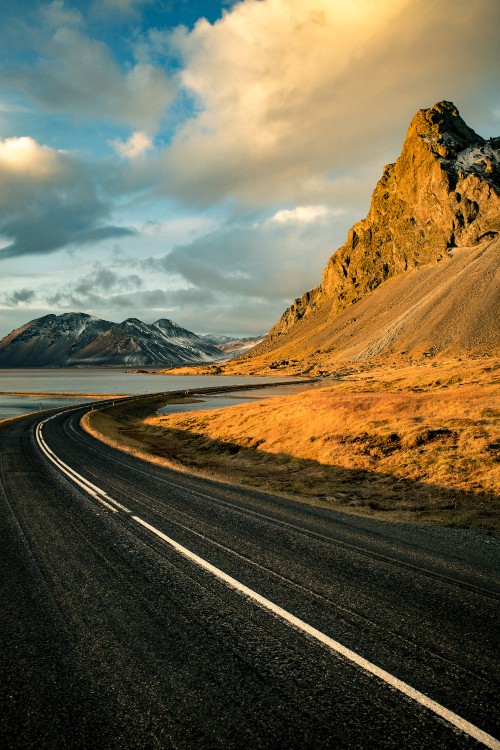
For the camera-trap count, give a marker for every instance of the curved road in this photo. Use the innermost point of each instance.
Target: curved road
(146, 608)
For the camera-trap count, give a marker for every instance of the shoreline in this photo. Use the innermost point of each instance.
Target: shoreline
(62, 394)
(378, 464)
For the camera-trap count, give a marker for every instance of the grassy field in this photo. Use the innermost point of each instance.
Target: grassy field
(417, 442)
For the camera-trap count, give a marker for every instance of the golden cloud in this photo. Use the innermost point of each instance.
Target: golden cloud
(289, 90)
(137, 145)
(25, 157)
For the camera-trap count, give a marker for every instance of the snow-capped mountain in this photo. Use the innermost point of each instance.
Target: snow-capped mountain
(216, 338)
(80, 339)
(136, 343)
(230, 346)
(50, 341)
(235, 347)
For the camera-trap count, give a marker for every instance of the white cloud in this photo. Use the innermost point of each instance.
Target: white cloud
(76, 74)
(23, 157)
(137, 145)
(304, 214)
(289, 90)
(49, 199)
(272, 261)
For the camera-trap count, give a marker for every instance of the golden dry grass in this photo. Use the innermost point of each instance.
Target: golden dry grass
(418, 443)
(426, 427)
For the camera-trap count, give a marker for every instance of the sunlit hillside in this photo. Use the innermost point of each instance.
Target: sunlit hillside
(414, 442)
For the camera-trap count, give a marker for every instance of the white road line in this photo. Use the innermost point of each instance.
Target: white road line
(452, 718)
(85, 484)
(118, 505)
(449, 716)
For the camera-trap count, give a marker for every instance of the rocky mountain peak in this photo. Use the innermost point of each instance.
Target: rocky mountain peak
(443, 130)
(443, 192)
(132, 322)
(170, 330)
(168, 325)
(165, 323)
(442, 135)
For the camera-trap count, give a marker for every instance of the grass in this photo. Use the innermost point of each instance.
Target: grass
(416, 443)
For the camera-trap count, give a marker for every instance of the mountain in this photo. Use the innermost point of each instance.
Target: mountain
(230, 346)
(235, 347)
(216, 338)
(80, 339)
(420, 272)
(136, 343)
(50, 341)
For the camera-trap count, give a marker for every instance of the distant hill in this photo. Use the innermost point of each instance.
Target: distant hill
(420, 274)
(235, 347)
(79, 339)
(216, 338)
(232, 347)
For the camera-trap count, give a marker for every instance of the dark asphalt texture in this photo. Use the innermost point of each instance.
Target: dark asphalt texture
(112, 639)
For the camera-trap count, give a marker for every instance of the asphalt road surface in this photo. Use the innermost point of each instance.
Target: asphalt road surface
(145, 608)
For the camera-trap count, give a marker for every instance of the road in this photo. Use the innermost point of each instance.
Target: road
(146, 608)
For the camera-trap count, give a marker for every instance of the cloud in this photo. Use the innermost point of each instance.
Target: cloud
(138, 143)
(103, 279)
(94, 289)
(19, 297)
(49, 200)
(99, 290)
(76, 74)
(303, 214)
(125, 7)
(142, 302)
(268, 260)
(239, 278)
(286, 90)
(57, 14)
(221, 313)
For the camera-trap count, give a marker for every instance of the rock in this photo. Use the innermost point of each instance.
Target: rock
(441, 193)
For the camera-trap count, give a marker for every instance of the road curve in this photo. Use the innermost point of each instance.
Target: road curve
(146, 608)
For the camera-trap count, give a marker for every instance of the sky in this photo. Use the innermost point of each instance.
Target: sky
(201, 161)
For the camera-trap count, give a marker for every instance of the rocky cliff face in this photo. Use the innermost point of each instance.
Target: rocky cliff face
(443, 192)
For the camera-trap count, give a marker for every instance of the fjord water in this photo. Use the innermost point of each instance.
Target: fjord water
(84, 384)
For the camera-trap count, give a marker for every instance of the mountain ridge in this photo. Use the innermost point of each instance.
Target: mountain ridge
(78, 339)
(442, 194)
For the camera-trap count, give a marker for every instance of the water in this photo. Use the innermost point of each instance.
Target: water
(225, 399)
(13, 406)
(70, 386)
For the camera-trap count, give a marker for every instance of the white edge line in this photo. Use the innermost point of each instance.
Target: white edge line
(452, 718)
(41, 440)
(90, 488)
